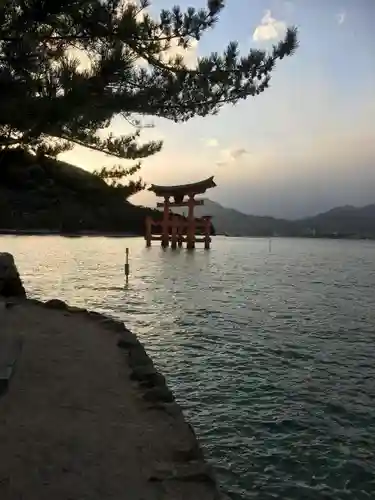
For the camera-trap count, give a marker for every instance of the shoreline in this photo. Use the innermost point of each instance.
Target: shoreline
(113, 234)
(66, 234)
(81, 375)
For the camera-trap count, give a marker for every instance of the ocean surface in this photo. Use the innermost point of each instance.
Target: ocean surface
(270, 349)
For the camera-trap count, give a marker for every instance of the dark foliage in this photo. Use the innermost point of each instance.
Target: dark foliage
(115, 176)
(52, 195)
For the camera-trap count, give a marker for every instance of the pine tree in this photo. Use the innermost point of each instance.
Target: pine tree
(49, 102)
(115, 175)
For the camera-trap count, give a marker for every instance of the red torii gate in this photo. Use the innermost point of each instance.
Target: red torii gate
(176, 228)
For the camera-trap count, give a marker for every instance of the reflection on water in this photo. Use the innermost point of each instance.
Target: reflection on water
(270, 353)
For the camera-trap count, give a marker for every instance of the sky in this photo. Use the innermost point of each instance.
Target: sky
(307, 143)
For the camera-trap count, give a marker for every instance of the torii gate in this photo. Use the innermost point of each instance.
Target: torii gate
(176, 228)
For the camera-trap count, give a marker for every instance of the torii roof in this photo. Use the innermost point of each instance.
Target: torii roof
(183, 189)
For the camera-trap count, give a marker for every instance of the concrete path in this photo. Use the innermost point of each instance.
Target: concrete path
(74, 426)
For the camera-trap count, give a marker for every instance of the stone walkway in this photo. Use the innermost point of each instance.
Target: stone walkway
(75, 426)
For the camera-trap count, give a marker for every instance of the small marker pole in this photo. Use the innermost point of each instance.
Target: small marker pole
(127, 267)
(269, 245)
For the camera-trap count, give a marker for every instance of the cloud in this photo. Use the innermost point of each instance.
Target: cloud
(238, 153)
(189, 55)
(212, 143)
(231, 155)
(341, 17)
(269, 28)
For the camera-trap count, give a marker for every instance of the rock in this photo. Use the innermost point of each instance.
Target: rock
(197, 472)
(74, 309)
(141, 372)
(10, 281)
(10, 351)
(189, 454)
(172, 409)
(113, 324)
(95, 315)
(138, 356)
(127, 341)
(10, 305)
(56, 304)
(36, 302)
(159, 394)
(192, 431)
(203, 476)
(147, 376)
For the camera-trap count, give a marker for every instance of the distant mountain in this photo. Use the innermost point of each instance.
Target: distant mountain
(345, 221)
(234, 223)
(349, 210)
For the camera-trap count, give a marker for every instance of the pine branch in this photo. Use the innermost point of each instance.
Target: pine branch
(124, 147)
(59, 99)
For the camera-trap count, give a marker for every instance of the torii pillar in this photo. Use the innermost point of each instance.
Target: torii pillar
(165, 223)
(190, 237)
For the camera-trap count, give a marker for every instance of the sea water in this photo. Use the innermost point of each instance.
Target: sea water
(270, 349)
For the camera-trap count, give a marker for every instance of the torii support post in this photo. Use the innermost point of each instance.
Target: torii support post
(190, 239)
(174, 237)
(207, 232)
(165, 233)
(180, 235)
(148, 231)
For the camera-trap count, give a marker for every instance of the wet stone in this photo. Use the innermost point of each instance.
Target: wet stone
(172, 409)
(113, 324)
(189, 454)
(10, 305)
(138, 356)
(147, 376)
(10, 281)
(157, 394)
(36, 302)
(127, 341)
(56, 304)
(199, 472)
(74, 309)
(95, 315)
(150, 381)
(10, 351)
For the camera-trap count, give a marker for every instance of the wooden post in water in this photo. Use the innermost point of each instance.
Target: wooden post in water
(127, 267)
